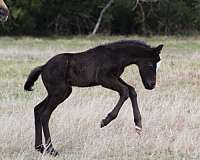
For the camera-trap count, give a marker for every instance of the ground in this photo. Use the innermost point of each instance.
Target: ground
(170, 113)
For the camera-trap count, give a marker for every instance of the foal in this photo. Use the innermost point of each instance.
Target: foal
(102, 65)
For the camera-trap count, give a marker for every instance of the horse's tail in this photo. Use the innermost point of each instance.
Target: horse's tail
(33, 76)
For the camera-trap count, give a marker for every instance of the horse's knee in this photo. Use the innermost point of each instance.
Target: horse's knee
(124, 93)
(132, 92)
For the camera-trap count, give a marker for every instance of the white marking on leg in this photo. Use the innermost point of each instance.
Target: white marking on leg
(138, 128)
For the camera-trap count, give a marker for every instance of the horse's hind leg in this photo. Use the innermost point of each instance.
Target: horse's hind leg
(59, 94)
(38, 127)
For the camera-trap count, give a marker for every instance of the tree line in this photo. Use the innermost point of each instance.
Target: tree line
(79, 17)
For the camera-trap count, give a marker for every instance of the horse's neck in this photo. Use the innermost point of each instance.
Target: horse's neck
(134, 55)
(128, 58)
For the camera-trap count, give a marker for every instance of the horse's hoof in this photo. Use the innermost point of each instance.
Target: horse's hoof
(52, 152)
(40, 148)
(102, 124)
(138, 130)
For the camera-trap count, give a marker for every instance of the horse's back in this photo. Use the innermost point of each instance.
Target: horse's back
(79, 69)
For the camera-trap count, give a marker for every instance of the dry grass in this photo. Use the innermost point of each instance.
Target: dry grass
(171, 112)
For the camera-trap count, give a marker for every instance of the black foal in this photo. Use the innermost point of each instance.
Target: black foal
(102, 65)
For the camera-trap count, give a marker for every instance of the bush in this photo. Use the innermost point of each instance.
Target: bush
(61, 17)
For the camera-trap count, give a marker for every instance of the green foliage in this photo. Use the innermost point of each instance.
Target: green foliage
(175, 16)
(196, 15)
(122, 17)
(69, 17)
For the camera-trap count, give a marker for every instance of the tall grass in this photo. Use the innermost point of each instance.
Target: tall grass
(171, 112)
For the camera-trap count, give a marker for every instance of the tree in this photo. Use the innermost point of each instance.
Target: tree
(101, 16)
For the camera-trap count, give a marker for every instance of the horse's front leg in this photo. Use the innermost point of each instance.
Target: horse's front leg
(114, 84)
(136, 111)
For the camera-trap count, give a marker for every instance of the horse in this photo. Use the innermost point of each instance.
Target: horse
(4, 12)
(102, 65)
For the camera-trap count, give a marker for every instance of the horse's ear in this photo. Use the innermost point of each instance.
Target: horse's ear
(158, 49)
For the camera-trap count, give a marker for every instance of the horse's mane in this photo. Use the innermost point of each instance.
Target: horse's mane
(127, 43)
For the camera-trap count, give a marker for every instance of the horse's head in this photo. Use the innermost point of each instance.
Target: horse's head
(148, 67)
(3, 11)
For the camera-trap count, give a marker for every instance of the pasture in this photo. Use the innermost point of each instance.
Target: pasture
(170, 113)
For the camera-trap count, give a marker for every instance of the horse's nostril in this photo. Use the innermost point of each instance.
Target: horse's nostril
(152, 83)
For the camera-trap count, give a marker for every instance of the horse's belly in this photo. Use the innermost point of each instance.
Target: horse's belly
(84, 84)
(82, 78)
(77, 81)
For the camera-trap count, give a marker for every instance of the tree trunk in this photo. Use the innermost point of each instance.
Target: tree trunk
(135, 6)
(143, 19)
(101, 16)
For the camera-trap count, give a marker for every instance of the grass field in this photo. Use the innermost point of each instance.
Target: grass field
(171, 112)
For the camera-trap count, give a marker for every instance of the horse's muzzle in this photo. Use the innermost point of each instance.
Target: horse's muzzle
(150, 85)
(3, 14)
